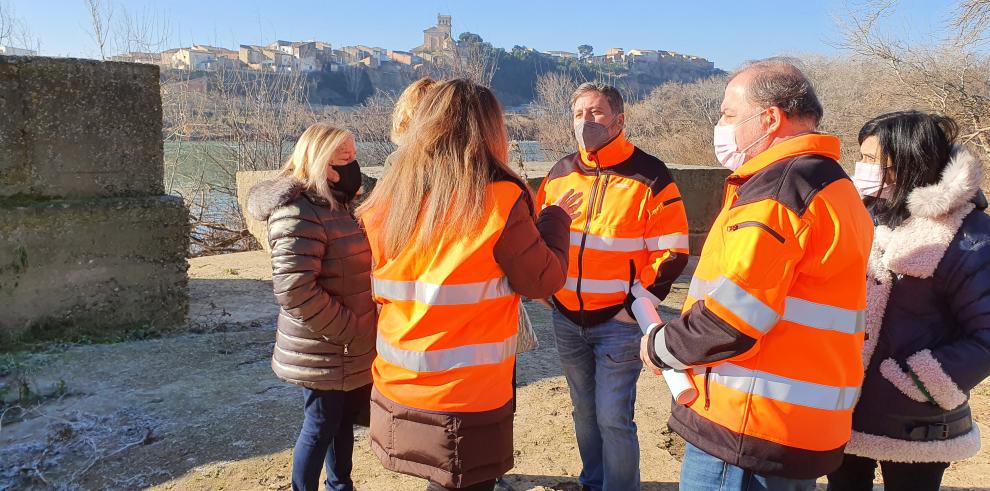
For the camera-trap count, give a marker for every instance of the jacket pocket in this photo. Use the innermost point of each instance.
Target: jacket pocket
(623, 357)
(940, 386)
(762, 226)
(892, 372)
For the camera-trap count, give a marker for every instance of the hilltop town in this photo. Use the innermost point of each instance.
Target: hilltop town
(348, 74)
(313, 56)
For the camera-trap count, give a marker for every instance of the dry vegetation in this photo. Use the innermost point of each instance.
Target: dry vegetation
(255, 118)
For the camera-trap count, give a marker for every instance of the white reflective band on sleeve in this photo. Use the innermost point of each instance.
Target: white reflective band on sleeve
(431, 294)
(597, 286)
(791, 391)
(638, 291)
(825, 317)
(663, 242)
(660, 347)
(447, 359)
(745, 306)
(699, 288)
(608, 244)
(796, 310)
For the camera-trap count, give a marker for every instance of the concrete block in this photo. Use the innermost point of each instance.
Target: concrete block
(79, 128)
(245, 181)
(110, 262)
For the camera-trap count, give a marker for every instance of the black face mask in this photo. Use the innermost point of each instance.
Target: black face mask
(350, 181)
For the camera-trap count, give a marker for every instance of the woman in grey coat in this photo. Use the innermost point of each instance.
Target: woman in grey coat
(321, 265)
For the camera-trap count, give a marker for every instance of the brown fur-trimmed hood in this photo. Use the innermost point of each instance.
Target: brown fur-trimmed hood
(267, 196)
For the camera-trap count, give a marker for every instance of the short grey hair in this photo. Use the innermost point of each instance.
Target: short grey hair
(779, 83)
(611, 94)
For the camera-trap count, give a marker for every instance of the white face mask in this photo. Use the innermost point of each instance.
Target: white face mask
(868, 179)
(726, 149)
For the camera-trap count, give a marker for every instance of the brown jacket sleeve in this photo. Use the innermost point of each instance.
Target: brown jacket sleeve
(534, 254)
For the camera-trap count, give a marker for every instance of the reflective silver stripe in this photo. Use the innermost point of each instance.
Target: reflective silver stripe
(699, 288)
(638, 291)
(672, 241)
(608, 244)
(431, 294)
(660, 347)
(447, 359)
(747, 307)
(597, 286)
(796, 310)
(798, 392)
(825, 317)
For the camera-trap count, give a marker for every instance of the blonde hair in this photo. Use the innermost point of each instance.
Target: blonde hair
(406, 105)
(310, 159)
(438, 185)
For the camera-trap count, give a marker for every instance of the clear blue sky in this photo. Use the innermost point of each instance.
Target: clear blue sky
(726, 32)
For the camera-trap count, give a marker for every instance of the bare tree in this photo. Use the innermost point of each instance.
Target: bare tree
(13, 32)
(972, 19)
(215, 126)
(7, 22)
(675, 121)
(143, 31)
(371, 123)
(951, 77)
(100, 19)
(551, 111)
(474, 60)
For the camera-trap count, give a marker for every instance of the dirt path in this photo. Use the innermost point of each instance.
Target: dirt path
(204, 412)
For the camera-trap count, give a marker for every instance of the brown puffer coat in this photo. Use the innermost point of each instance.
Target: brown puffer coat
(321, 273)
(459, 449)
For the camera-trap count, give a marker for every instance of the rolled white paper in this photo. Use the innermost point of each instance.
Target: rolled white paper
(678, 381)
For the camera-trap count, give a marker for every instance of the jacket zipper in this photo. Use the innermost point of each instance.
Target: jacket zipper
(584, 239)
(601, 201)
(708, 398)
(346, 351)
(762, 226)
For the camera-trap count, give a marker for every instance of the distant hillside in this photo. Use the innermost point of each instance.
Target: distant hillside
(514, 78)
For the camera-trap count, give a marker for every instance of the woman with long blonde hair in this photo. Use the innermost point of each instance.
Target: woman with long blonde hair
(406, 105)
(455, 244)
(321, 265)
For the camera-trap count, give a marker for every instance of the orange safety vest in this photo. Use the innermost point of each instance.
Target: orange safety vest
(448, 320)
(630, 241)
(784, 270)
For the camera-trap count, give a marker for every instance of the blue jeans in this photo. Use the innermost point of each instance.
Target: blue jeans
(601, 364)
(327, 438)
(703, 472)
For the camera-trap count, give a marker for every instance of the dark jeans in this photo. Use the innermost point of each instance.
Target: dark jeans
(601, 365)
(481, 486)
(857, 473)
(327, 437)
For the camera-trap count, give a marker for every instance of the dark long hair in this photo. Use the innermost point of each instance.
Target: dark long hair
(913, 146)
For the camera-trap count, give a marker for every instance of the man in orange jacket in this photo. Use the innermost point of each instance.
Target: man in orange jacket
(772, 329)
(630, 242)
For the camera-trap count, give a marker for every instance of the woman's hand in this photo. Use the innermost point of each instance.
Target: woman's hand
(571, 201)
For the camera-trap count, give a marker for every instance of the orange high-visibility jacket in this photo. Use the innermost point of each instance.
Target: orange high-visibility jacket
(449, 315)
(773, 326)
(630, 241)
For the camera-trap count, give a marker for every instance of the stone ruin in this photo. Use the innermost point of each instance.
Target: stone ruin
(88, 238)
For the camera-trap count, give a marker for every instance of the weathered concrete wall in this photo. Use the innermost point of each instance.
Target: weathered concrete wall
(87, 237)
(79, 129)
(245, 181)
(701, 187)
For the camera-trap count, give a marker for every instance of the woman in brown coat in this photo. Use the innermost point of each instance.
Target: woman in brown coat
(456, 242)
(321, 267)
